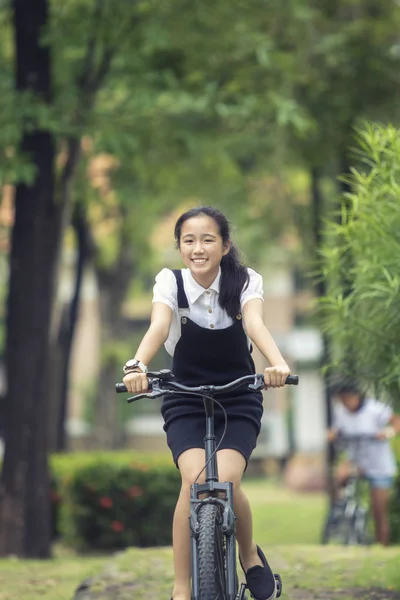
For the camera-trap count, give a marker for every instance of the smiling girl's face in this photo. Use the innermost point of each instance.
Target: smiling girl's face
(202, 248)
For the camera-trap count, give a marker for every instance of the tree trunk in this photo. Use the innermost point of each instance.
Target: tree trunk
(69, 322)
(318, 214)
(59, 321)
(109, 434)
(25, 497)
(113, 285)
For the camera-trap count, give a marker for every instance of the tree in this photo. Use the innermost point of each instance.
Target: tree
(25, 488)
(363, 324)
(41, 206)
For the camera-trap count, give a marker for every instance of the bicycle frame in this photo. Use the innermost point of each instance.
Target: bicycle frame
(349, 507)
(214, 489)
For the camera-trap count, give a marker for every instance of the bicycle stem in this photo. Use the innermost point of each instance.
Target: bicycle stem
(210, 443)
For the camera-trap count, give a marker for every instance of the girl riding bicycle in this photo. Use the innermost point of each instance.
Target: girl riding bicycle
(357, 415)
(207, 315)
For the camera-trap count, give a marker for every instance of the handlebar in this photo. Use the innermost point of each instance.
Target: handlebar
(161, 383)
(345, 439)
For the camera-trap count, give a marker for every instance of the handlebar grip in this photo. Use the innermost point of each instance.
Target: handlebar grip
(292, 380)
(120, 388)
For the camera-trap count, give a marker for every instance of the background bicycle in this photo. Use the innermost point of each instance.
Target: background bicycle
(349, 519)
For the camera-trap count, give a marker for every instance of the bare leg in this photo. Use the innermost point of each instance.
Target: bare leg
(342, 473)
(231, 465)
(380, 508)
(190, 464)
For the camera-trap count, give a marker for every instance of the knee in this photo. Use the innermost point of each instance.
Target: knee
(234, 477)
(189, 477)
(342, 474)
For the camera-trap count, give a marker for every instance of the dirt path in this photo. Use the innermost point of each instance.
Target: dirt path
(356, 593)
(308, 573)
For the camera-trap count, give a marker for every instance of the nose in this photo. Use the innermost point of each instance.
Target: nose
(198, 248)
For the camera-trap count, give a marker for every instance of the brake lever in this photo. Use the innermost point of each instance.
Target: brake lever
(156, 392)
(258, 383)
(153, 394)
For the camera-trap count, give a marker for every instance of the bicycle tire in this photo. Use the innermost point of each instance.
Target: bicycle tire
(362, 527)
(332, 529)
(211, 554)
(327, 530)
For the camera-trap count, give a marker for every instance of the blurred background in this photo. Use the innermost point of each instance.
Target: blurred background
(115, 117)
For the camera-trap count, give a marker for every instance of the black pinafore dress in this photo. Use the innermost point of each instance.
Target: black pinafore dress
(211, 356)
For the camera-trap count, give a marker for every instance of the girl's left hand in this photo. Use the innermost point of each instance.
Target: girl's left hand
(276, 376)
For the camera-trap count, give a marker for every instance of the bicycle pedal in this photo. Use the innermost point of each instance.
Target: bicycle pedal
(241, 594)
(279, 586)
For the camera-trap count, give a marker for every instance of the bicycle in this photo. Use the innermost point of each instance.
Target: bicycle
(348, 520)
(212, 519)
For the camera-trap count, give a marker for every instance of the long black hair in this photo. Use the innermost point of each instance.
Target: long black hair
(234, 275)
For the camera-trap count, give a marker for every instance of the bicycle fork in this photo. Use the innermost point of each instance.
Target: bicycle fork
(224, 490)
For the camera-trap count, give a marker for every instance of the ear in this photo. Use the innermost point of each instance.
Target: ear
(226, 249)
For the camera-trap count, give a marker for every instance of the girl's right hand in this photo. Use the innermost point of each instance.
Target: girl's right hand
(136, 382)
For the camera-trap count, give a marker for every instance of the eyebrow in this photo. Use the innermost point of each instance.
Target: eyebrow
(203, 235)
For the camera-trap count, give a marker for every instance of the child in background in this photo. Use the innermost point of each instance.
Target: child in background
(358, 415)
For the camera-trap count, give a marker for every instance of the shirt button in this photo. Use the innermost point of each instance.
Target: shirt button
(210, 310)
(208, 292)
(212, 326)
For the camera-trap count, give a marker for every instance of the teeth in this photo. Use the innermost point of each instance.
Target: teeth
(199, 260)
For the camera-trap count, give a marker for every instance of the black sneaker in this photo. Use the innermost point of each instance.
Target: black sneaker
(261, 581)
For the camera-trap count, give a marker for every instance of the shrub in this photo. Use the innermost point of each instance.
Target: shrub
(116, 500)
(394, 506)
(360, 263)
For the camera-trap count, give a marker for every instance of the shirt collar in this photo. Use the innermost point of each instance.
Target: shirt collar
(194, 290)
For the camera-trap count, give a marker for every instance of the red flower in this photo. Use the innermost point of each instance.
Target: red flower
(117, 526)
(106, 502)
(140, 466)
(135, 491)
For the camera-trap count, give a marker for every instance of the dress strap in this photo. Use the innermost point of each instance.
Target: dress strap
(182, 298)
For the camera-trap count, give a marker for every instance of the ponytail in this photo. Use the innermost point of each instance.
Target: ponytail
(234, 279)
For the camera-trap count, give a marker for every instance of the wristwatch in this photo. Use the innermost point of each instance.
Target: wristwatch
(133, 364)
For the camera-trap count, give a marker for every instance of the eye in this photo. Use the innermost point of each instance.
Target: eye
(208, 241)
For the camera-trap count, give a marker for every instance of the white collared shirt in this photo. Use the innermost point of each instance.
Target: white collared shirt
(204, 309)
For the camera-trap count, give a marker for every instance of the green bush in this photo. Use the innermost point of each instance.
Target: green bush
(115, 500)
(394, 512)
(394, 507)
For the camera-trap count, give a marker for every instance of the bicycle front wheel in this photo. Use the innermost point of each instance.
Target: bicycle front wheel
(211, 554)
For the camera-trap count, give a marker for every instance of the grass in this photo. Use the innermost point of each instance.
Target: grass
(287, 526)
(55, 579)
(281, 516)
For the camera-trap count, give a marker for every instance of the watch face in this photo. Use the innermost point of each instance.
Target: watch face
(132, 363)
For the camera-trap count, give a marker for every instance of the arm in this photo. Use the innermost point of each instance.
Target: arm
(152, 341)
(395, 422)
(276, 374)
(392, 428)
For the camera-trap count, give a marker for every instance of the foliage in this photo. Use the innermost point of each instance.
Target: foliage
(190, 108)
(114, 500)
(361, 313)
(394, 511)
